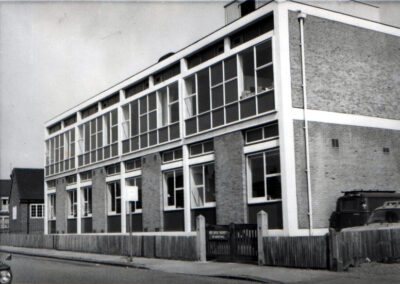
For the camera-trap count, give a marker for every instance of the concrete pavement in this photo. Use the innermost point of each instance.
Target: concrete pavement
(266, 274)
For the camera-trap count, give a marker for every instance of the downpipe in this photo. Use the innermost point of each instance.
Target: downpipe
(301, 17)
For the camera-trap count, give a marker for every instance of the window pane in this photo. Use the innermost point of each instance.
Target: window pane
(164, 106)
(179, 199)
(134, 118)
(196, 149)
(197, 175)
(210, 182)
(163, 134)
(173, 92)
(174, 112)
(264, 53)
(231, 113)
(216, 74)
(254, 135)
(168, 156)
(265, 79)
(273, 162)
(204, 122)
(153, 138)
(112, 197)
(208, 146)
(190, 85)
(217, 96)
(134, 143)
(143, 141)
(174, 131)
(114, 132)
(230, 68)
(93, 126)
(143, 123)
(231, 92)
(248, 71)
(153, 120)
(257, 175)
(218, 117)
(191, 105)
(271, 130)
(99, 139)
(114, 117)
(204, 91)
(274, 188)
(179, 179)
(152, 101)
(118, 201)
(143, 105)
(170, 188)
(266, 102)
(178, 154)
(198, 196)
(191, 126)
(125, 146)
(248, 107)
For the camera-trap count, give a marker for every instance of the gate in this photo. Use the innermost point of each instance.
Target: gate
(234, 242)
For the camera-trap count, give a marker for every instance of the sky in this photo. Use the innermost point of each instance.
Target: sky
(55, 55)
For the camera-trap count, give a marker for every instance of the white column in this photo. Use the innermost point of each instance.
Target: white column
(186, 184)
(79, 204)
(123, 199)
(284, 104)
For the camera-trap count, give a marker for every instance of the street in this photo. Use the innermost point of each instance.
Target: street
(27, 269)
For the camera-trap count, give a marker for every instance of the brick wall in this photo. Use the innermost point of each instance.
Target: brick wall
(358, 163)
(36, 226)
(348, 69)
(230, 178)
(99, 200)
(152, 193)
(61, 206)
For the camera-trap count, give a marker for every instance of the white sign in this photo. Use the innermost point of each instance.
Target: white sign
(14, 213)
(131, 193)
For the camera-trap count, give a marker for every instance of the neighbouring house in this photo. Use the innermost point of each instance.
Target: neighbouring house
(280, 110)
(5, 187)
(26, 201)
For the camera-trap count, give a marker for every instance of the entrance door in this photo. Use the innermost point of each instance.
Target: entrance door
(234, 242)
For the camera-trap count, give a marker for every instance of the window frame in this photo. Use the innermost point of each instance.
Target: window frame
(165, 190)
(34, 207)
(72, 203)
(112, 186)
(262, 199)
(192, 186)
(52, 206)
(87, 203)
(6, 206)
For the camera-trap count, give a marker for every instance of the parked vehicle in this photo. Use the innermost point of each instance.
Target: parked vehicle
(355, 207)
(5, 273)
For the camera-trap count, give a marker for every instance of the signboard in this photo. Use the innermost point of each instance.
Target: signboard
(131, 193)
(218, 235)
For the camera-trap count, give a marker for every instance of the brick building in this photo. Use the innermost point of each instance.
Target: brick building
(26, 201)
(5, 188)
(221, 128)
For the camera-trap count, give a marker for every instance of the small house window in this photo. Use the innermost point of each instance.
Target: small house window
(335, 143)
(37, 211)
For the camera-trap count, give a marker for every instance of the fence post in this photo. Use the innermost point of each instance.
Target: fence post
(262, 230)
(201, 237)
(335, 257)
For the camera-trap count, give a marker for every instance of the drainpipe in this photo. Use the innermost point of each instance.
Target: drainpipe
(301, 17)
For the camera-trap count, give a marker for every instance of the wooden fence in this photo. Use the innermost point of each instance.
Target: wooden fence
(158, 246)
(302, 252)
(355, 247)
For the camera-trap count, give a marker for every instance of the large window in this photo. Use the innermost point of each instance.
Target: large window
(99, 138)
(60, 153)
(4, 222)
(114, 198)
(173, 189)
(136, 206)
(87, 201)
(236, 88)
(36, 211)
(52, 206)
(4, 204)
(152, 119)
(202, 185)
(264, 176)
(73, 204)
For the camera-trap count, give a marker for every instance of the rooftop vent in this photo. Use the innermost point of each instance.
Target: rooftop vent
(165, 56)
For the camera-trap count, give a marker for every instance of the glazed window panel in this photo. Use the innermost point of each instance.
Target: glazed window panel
(173, 189)
(153, 119)
(202, 185)
(264, 176)
(87, 201)
(114, 197)
(73, 204)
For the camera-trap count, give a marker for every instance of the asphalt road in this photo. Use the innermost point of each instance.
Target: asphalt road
(27, 269)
